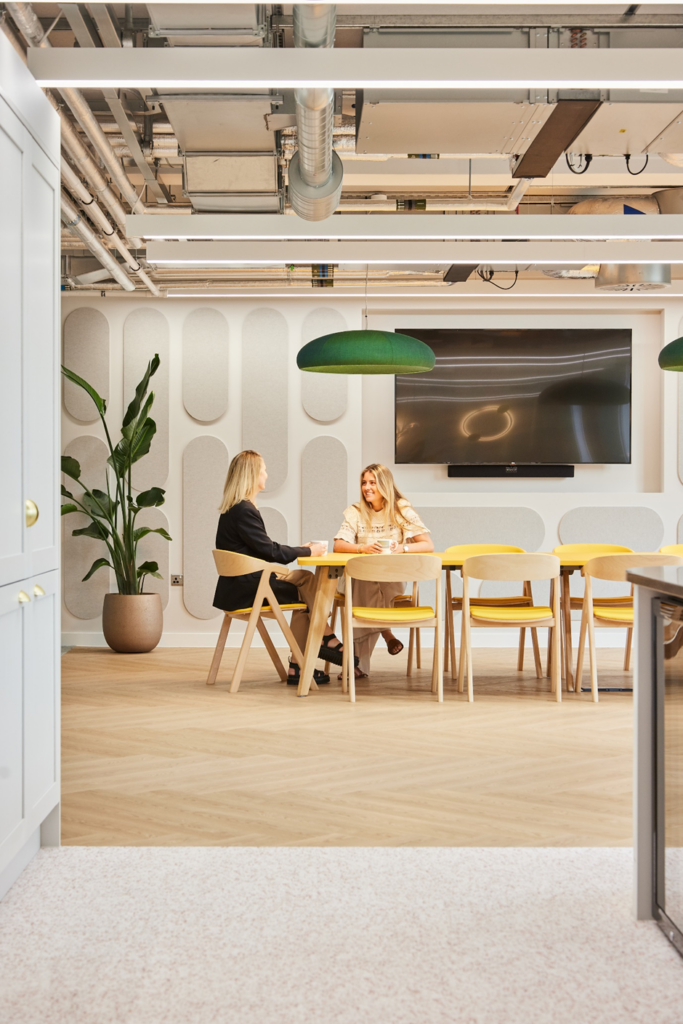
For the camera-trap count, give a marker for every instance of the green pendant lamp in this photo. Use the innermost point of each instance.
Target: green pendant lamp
(366, 352)
(671, 356)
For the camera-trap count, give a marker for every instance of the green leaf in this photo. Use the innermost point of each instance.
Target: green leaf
(100, 403)
(151, 498)
(65, 493)
(148, 568)
(95, 529)
(70, 467)
(141, 391)
(97, 564)
(99, 504)
(144, 530)
(69, 508)
(142, 441)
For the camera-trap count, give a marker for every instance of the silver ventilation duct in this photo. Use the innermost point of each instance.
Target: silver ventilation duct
(633, 277)
(315, 170)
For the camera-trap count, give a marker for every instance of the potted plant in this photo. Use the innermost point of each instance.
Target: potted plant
(132, 620)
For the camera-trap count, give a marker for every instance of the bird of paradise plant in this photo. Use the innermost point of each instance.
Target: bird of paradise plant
(113, 512)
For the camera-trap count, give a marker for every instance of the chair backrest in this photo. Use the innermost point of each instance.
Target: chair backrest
(468, 550)
(590, 550)
(394, 568)
(229, 563)
(614, 567)
(671, 549)
(512, 567)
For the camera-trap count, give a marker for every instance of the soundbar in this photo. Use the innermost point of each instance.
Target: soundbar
(512, 470)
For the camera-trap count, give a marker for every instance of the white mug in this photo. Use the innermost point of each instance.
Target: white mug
(387, 545)
(325, 545)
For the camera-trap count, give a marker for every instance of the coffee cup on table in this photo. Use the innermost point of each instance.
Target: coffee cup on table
(325, 545)
(387, 545)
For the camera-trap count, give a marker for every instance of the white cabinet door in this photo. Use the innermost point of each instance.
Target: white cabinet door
(11, 711)
(41, 350)
(41, 695)
(14, 140)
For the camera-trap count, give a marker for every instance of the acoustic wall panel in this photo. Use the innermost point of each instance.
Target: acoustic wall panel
(205, 467)
(489, 525)
(324, 396)
(324, 493)
(205, 364)
(265, 390)
(679, 531)
(86, 352)
(154, 548)
(84, 600)
(276, 525)
(680, 427)
(639, 528)
(145, 332)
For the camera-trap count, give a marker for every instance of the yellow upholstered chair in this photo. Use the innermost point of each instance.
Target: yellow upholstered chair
(672, 549)
(586, 551)
(392, 569)
(509, 566)
(454, 604)
(402, 601)
(230, 564)
(610, 567)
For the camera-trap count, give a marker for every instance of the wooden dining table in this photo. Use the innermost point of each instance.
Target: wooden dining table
(330, 568)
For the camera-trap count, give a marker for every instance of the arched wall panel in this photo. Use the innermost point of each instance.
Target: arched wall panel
(265, 391)
(205, 466)
(84, 600)
(635, 527)
(205, 364)
(324, 396)
(324, 492)
(146, 332)
(154, 548)
(86, 352)
(276, 525)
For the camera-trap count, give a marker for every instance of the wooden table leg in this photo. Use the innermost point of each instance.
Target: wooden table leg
(567, 624)
(322, 605)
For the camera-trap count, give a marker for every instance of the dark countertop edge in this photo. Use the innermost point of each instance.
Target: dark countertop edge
(664, 579)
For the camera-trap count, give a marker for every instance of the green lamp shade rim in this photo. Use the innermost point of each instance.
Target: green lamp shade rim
(671, 356)
(366, 352)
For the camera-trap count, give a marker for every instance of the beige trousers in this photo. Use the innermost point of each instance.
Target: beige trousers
(304, 581)
(367, 594)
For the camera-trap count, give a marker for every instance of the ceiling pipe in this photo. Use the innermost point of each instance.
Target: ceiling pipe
(503, 205)
(315, 170)
(76, 224)
(84, 198)
(25, 18)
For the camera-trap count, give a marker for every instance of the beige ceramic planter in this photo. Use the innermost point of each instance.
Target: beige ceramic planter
(132, 623)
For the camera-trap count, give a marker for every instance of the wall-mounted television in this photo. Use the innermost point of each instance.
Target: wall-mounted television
(497, 397)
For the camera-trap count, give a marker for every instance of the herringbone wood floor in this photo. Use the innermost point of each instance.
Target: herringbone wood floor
(151, 756)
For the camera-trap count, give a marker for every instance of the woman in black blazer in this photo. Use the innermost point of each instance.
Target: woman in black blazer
(241, 529)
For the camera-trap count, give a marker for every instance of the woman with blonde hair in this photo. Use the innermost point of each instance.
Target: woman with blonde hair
(241, 529)
(382, 514)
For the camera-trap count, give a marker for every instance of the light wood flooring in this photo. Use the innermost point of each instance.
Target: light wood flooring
(153, 757)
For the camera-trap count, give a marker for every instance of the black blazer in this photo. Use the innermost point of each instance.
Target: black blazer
(241, 529)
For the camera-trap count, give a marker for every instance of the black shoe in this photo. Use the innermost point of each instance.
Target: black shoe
(293, 677)
(334, 655)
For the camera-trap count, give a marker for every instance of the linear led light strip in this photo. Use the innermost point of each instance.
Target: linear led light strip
(395, 262)
(64, 81)
(624, 236)
(333, 294)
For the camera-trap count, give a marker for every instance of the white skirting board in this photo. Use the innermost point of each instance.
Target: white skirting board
(480, 638)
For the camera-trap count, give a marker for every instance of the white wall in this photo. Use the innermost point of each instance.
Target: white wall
(366, 429)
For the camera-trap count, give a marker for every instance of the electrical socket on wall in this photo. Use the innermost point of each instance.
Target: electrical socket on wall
(176, 580)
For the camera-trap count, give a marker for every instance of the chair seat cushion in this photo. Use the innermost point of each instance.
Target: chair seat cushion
(510, 614)
(624, 615)
(267, 608)
(397, 615)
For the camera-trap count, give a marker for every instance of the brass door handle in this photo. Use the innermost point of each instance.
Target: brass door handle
(38, 591)
(31, 512)
(23, 597)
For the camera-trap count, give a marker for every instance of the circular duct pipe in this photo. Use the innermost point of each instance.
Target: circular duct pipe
(633, 277)
(670, 200)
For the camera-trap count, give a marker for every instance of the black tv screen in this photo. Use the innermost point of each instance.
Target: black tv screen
(517, 396)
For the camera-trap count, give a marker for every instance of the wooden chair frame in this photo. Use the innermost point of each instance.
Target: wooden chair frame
(392, 569)
(608, 567)
(414, 644)
(508, 567)
(454, 604)
(228, 563)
